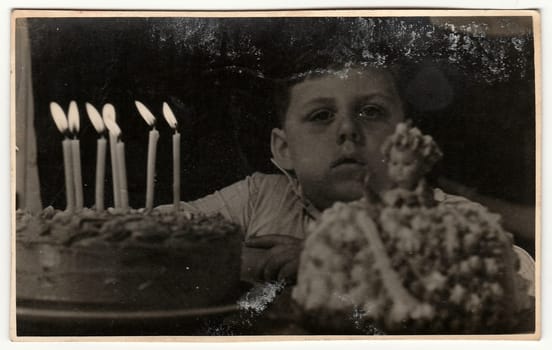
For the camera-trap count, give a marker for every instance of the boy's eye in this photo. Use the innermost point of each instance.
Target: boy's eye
(321, 115)
(371, 112)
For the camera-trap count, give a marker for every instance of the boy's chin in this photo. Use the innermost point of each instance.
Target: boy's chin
(347, 192)
(341, 191)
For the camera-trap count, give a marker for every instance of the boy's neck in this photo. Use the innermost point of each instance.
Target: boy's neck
(309, 207)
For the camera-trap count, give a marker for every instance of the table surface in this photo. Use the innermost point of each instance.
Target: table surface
(264, 309)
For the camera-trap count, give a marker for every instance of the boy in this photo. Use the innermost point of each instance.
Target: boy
(332, 126)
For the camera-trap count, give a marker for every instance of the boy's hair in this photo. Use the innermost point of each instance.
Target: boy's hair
(282, 87)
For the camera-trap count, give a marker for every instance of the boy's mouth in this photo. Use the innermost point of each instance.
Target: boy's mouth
(346, 161)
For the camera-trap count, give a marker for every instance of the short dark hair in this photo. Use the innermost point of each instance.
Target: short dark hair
(282, 87)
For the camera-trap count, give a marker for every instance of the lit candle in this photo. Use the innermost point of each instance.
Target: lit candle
(108, 114)
(114, 170)
(98, 124)
(152, 153)
(61, 123)
(123, 188)
(74, 126)
(176, 170)
(100, 173)
(171, 120)
(68, 167)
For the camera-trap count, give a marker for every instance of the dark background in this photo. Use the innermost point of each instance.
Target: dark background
(467, 81)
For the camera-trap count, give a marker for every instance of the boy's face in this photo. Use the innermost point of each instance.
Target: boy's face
(335, 125)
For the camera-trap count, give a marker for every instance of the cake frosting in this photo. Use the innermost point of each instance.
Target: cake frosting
(134, 260)
(402, 262)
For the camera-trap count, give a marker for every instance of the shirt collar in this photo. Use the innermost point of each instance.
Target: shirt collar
(309, 208)
(314, 213)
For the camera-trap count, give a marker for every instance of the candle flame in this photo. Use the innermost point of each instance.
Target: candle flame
(95, 118)
(145, 113)
(73, 117)
(108, 113)
(59, 116)
(169, 115)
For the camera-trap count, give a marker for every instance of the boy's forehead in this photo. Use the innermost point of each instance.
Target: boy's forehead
(352, 81)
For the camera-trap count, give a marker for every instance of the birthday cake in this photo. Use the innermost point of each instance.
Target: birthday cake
(162, 259)
(402, 262)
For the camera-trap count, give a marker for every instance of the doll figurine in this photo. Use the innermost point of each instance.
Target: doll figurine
(410, 155)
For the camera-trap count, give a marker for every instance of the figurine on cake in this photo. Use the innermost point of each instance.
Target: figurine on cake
(403, 262)
(410, 156)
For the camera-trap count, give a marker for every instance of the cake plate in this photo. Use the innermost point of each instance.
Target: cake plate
(42, 318)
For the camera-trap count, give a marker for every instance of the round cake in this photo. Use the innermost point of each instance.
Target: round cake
(444, 269)
(402, 262)
(135, 260)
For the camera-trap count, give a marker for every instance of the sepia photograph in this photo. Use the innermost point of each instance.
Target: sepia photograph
(275, 174)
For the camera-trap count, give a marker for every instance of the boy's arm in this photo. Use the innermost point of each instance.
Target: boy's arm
(518, 219)
(277, 257)
(233, 202)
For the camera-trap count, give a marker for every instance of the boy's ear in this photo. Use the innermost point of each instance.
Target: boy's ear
(280, 148)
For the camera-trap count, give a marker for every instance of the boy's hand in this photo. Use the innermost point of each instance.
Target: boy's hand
(281, 259)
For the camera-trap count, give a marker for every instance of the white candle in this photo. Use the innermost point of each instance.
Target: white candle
(77, 173)
(74, 125)
(68, 167)
(108, 115)
(171, 120)
(152, 155)
(149, 118)
(114, 170)
(123, 189)
(176, 170)
(100, 173)
(98, 124)
(61, 123)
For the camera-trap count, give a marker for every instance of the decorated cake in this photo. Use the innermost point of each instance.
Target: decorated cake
(403, 262)
(161, 259)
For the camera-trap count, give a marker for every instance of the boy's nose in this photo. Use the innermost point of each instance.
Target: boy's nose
(348, 130)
